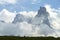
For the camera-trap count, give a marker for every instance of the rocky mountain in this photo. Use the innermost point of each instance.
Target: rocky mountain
(39, 24)
(41, 20)
(42, 12)
(43, 16)
(20, 18)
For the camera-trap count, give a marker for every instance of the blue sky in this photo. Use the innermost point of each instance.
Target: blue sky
(28, 5)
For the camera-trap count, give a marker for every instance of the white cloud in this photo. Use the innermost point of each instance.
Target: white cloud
(54, 18)
(30, 13)
(29, 29)
(23, 29)
(7, 16)
(50, 10)
(36, 1)
(27, 26)
(26, 29)
(7, 1)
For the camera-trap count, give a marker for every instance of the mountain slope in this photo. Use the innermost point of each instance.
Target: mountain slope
(41, 20)
(43, 16)
(21, 18)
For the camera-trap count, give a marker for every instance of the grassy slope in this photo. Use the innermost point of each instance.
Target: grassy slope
(27, 38)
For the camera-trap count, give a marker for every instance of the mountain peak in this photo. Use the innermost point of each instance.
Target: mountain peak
(44, 16)
(18, 18)
(42, 8)
(42, 12)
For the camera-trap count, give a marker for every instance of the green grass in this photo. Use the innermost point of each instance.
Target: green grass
(27, 38)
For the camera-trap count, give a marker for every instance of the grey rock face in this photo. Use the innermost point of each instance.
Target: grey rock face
(42, 21)
(42, 12)
(18, 18)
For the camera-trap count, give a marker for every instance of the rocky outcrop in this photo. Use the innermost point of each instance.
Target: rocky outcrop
(20, 18)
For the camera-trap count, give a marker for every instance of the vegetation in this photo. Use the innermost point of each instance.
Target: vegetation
(27, 38)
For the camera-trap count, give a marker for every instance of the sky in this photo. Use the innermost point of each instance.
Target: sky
(29, 9)
(26, 5)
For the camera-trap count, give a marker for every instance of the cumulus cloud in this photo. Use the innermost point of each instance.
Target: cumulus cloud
(7, 1)
(19, 29)
(7, 16)
(50, 10)
(54, 18)
(9, 29)
(30, 13)
(36, 1)
(30, 29)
